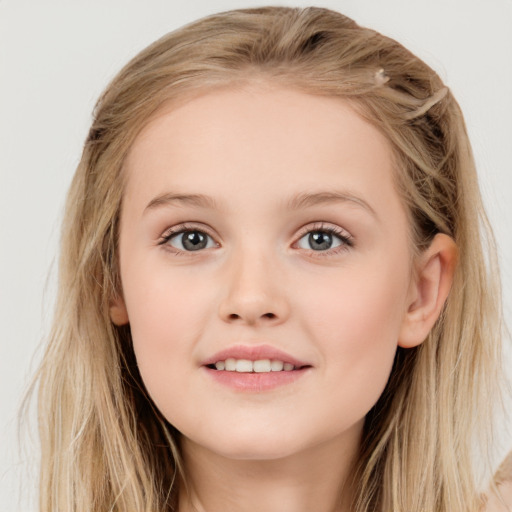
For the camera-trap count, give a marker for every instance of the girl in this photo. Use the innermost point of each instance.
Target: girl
(273, 284)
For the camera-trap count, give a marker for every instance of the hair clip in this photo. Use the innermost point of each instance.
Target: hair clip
(381, 77)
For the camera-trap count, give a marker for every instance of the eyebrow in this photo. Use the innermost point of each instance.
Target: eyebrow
(304, 200)
(296, 202)
(198, 200)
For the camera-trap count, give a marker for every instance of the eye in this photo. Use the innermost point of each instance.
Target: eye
(188, 240)
(323, 238)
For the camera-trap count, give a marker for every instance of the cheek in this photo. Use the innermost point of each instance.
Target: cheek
(361, 304)
(163, 302)
(167, 316)
(357, 324)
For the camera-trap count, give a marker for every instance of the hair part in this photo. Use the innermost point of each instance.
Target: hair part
(105, 446)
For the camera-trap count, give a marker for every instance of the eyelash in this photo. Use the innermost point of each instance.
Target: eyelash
(346, 239)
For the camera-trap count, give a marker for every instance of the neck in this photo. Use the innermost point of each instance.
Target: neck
(314, 479)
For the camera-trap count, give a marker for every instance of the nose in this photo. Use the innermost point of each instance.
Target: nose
(255, 291)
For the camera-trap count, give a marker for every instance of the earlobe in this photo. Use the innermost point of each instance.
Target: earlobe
(429, 290)
(118, 312)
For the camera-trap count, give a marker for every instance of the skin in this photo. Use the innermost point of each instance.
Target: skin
(500, 496)
(500, 501)
(344, 310)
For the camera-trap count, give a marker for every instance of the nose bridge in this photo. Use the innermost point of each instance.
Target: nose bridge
(254, 291)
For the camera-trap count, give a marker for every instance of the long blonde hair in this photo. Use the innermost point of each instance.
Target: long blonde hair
(104, 444)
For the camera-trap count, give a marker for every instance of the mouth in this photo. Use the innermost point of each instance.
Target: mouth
(259, 366)
(254, 368)
(254, 359)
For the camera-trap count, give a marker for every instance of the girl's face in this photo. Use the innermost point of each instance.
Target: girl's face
(262, 224)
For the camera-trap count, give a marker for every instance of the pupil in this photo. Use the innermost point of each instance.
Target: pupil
(320, 240)
(194, 241)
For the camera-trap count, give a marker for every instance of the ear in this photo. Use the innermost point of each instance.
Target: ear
(118, 312)
(429, 289)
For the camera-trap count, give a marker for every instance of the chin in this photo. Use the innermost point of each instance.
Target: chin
(256, 443)
(255, 451)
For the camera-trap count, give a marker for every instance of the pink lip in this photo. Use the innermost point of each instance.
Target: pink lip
(255, 382)
(254, 353)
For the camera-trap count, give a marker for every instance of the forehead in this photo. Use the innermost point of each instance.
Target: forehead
(238, 144)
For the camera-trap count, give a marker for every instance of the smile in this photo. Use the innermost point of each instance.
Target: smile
(247, 366)
(255, 368)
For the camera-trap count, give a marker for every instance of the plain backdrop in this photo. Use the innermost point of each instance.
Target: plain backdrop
(57, 56)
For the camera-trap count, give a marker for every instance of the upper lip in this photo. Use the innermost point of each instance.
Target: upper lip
(254, 353)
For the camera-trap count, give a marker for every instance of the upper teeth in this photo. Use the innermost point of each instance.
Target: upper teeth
(248, 366)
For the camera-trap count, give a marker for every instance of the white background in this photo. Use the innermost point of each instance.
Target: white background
(57, 56)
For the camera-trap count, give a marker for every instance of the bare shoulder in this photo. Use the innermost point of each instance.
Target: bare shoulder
(501, 499)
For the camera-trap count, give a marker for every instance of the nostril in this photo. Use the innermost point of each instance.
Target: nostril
(234, 316)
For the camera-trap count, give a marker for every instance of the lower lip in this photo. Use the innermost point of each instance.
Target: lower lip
(255, 382)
